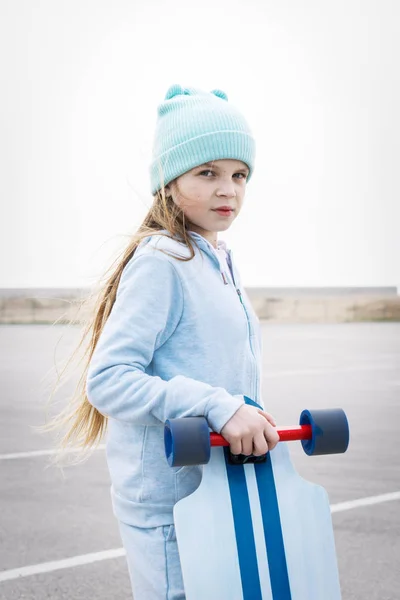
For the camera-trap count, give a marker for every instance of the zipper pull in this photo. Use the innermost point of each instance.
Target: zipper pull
(224, 278)
(239, 293)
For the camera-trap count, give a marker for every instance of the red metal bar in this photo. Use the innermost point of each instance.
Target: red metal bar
(286, 434)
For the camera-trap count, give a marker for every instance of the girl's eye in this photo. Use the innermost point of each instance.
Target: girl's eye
(205, 173)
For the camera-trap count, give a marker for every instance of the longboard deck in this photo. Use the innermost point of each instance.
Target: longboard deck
(256, 532)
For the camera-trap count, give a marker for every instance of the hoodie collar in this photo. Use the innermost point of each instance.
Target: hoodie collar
(209, 249)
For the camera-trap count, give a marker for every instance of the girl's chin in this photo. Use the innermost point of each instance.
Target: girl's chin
(224, 226)
(211, 228)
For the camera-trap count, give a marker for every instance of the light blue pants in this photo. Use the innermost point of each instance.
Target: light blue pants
(153, 562)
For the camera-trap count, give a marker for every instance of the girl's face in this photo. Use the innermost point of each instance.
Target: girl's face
(200, 192)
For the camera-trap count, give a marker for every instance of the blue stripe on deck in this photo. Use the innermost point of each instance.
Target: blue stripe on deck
(272, 531)
(243, 530)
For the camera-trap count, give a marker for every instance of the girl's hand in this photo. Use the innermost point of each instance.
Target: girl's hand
(250, 431)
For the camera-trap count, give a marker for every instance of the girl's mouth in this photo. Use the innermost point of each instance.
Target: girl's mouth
(224, 212)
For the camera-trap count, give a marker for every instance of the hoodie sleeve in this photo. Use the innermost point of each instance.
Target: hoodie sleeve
(146, 312)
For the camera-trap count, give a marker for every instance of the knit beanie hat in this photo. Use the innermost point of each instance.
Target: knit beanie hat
(195, 127)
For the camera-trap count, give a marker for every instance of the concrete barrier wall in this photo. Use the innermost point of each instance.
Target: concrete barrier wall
(275, 305)
(329, 309)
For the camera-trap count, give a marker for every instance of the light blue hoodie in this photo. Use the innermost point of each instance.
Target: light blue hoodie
(181, 340)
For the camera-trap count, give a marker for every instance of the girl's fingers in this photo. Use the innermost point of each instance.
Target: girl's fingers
(236, 446)
(260, 444)
(271, 435)
(255, 443)
(268, 416)
(247, 446)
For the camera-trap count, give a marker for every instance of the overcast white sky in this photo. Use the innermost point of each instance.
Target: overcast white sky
(318, 81)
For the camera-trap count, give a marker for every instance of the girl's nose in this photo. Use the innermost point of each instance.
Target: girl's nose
(226, 189)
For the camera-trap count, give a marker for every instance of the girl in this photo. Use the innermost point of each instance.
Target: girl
(174, 334)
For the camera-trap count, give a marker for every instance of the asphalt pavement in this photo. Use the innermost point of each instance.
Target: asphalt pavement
(58, 536)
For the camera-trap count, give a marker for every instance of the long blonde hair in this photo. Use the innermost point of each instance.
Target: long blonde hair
(85, 424)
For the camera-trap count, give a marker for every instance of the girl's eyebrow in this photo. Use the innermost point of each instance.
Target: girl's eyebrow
(214, 166)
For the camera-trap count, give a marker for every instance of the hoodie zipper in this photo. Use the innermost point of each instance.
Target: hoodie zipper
(225, 280)
(239, 293)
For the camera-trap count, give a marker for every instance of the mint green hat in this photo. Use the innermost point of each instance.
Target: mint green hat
(195, 127)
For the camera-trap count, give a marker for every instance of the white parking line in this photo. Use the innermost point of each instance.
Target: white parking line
(86, 559)
(341, 506)
(296, 372)
(66, 563)
(47, 452)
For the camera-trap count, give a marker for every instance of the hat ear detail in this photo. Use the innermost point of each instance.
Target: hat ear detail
(174, 90)
(219, 94)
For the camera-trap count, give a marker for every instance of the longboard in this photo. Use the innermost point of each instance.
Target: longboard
(256, 531)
